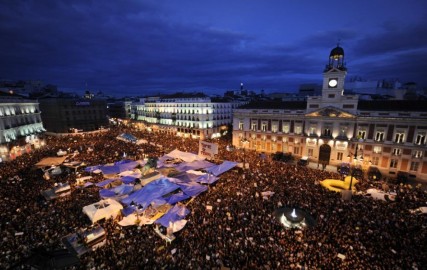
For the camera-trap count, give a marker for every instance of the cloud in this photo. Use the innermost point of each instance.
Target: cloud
(135, 48)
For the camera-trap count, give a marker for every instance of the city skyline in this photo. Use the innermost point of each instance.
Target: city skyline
(147, 47)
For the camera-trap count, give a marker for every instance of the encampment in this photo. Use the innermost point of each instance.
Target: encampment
(102, 209)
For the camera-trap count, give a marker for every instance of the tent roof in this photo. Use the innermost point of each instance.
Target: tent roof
(49, 161)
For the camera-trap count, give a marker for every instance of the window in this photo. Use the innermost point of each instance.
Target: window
(375, 161)
(296, 150)
(331, 96)
(397, 151)
(264, 127)
(240, 125)
(339, 155)
(298, 130)
(361, 134)
(414, 166)
(274, 128)
(377, 149)
(253, 127)
(418, 154)
(343, 131)
(393, 163)
(285, 128)
(379, 137)
(326, 132)
(398, 138)
(312, 131)
(420, 139)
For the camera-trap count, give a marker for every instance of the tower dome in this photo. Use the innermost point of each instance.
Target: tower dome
(336, 59)
(337, 52)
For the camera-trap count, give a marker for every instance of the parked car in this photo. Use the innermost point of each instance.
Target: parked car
(303, 161)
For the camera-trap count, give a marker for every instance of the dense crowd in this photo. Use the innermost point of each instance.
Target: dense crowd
(240, 232)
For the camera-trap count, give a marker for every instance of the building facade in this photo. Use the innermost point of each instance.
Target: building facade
(334, 128)
(20, 124)
(64, 115)
(188, 115)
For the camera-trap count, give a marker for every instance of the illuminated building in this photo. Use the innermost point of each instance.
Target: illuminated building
(195, 115)
(20, 123)
(389, 134)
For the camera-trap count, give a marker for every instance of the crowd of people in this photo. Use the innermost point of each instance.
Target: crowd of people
(239, 232)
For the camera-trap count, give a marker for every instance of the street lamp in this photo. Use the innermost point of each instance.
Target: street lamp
(244, 141)
(356, 158)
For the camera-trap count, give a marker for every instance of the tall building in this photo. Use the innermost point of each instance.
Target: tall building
(64, 115)
(20, 124)
(195, 115)
(333, 127)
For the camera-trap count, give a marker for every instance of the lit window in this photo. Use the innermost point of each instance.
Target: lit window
(240, 125)
(377, 149)
(398, 138)
(420, 139)
(379, 137)
(339, 155)
(414, 166)
(418, 154)
(397, 151)
(286, 129)
(393, 163)
(361, 134)
(264, 127)
(312, 130)
(253, 127)
(298, 130)
(274, 128)
(375, 161)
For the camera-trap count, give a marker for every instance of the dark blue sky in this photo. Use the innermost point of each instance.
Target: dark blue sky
(147, 47)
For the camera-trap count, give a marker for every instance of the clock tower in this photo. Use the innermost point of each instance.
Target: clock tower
(333, 86)
(334, 75)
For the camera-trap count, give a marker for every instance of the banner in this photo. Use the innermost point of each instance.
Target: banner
(208, 150)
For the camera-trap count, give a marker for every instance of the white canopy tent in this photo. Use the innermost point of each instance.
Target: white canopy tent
(102, 209)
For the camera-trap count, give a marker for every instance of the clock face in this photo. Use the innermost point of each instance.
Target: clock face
(333, 82)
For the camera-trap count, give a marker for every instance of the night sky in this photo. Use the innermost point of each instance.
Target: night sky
(149, 47)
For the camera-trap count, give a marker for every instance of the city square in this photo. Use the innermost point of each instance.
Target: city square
(239, 231)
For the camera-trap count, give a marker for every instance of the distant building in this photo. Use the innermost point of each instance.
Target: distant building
(119, 109)
(195, 115)
(20, 125)
(64, 115)
(310, 89)
(335, 127)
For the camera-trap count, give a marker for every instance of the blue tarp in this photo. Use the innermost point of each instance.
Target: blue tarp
(127, 137)
(118, 167)
(180, 196)
(192, 188)
(128, 210)
(195, 165)
(128, 179)
(92, 168)
(150, 192)
(207, 179)
(104, 183)
(174, 214)
(221, 168)
(106, 193)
